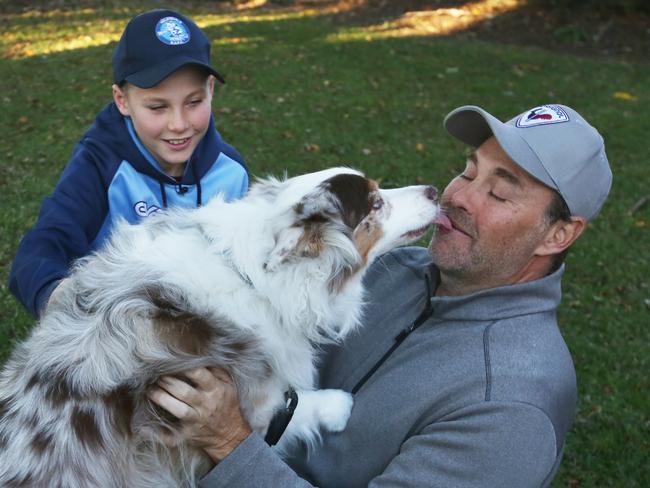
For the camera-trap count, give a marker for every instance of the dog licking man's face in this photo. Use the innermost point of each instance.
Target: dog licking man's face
(341, 203)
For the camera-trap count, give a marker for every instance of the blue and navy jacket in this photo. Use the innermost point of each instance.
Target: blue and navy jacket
(112, 176)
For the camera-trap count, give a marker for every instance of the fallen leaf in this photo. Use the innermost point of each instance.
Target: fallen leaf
(419, 147)
(621, 95)
(310, 147)
(23, 120)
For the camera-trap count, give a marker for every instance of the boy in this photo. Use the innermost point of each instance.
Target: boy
(154, 146)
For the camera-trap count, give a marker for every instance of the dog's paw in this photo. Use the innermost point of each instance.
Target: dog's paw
(334, 409)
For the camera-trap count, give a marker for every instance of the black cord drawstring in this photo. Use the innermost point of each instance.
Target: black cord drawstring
(399, 338)
(163, 194)
(182, 190)
(199, 201)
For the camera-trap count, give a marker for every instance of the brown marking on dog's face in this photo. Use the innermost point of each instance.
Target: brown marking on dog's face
(354, 194)
(367, 233)
(121, 405)
(42, 442)
(181, 330)
(366, 236)
(85, 427)
(310, 244)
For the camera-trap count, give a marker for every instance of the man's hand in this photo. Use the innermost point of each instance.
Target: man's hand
(209, 411)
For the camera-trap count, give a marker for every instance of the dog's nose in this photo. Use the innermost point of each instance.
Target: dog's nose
(431, 193)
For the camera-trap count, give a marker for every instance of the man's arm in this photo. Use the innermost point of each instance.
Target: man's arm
(486, 445)
(508, 444)
(253, 464)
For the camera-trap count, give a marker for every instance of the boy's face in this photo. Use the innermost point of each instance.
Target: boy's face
(170, 118)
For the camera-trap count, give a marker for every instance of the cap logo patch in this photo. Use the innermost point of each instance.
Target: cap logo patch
(172, 31)
(546, 114)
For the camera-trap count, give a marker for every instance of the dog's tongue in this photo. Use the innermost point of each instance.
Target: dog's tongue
(443, 221)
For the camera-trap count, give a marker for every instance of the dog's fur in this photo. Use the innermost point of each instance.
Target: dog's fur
(250, 286)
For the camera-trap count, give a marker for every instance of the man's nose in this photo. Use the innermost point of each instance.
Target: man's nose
(460, 196)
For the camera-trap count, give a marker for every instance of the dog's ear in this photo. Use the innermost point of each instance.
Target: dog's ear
(305, 238)
(285, 245)
(317, 205)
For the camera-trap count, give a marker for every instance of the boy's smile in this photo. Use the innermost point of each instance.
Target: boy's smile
(170, 118)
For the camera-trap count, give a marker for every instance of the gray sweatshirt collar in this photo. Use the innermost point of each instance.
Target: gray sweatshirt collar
(542, 295)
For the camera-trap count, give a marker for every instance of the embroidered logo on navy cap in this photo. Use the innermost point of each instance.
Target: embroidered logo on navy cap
(172, 31)
(546, 114)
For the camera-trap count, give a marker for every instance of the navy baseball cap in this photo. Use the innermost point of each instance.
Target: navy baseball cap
(553, 143)
(154, 44)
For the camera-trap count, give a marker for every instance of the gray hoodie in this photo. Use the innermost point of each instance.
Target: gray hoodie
(482, 394)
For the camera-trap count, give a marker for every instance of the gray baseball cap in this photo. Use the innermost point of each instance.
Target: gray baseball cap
(553, 143)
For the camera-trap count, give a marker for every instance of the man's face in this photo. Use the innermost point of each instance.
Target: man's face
(172, 117)
(498, 216)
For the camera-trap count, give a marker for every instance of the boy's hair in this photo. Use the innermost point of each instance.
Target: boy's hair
(157, 43)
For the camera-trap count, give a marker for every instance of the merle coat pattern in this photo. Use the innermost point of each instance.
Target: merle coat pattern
(250, 286)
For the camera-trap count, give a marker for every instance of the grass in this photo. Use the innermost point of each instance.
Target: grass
(306, 92)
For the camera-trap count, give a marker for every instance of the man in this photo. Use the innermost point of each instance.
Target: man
(460, 375)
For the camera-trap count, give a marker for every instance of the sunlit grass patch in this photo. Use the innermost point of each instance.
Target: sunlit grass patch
(41, 33)
(431, 21)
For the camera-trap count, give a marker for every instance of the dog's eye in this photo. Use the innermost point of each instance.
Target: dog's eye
(377, 204)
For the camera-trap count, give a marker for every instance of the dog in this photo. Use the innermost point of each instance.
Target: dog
(253, 286)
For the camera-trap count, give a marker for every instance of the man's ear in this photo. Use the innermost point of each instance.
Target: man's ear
(561, 235)
(119, 97)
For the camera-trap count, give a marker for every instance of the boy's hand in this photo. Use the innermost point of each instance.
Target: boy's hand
(209, 412)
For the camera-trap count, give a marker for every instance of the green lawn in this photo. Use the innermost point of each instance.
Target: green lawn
(305, 92)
